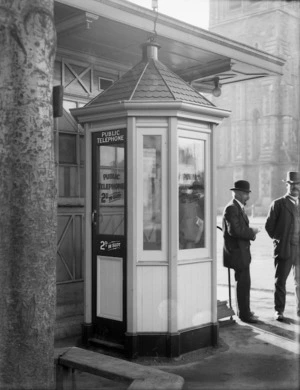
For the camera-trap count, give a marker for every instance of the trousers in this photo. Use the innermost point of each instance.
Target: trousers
(283, 268)
(242, 289)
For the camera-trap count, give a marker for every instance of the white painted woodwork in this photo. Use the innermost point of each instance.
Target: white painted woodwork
(194, 294)
(116, 123)
(110, 287)
(173, 223)
(168, 290)
(132, 184)
(213, 235)
(152, 298)
(88, 230)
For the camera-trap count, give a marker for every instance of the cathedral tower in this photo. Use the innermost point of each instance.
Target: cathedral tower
(261, 139)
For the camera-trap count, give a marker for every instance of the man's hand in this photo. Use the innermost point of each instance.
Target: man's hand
(255, 230)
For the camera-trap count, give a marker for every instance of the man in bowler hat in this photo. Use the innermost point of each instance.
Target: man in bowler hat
(236, 248)
(283, 226)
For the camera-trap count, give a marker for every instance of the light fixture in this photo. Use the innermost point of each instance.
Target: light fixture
(154, 5)
(217, 90)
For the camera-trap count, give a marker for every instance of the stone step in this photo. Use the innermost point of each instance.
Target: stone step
(68, 327)
(104, 344)
(69, 310)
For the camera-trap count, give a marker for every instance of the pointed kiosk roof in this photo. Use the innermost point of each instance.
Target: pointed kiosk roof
(150, 80)
(149, 88)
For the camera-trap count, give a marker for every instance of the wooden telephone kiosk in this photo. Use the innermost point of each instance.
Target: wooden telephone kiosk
(150, 259)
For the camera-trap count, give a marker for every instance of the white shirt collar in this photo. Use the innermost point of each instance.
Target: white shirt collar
(293, 199)
(241, 204)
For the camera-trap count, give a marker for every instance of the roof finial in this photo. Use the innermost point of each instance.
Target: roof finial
(155, 9)
(151, 46)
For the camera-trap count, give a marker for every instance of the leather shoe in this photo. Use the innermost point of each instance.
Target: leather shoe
(249, 320)
(278, 316)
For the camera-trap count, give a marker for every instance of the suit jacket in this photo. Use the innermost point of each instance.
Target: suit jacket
(237, 235)
(279, 224)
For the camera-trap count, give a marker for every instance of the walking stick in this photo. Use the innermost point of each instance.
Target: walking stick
(229, 283)
(229, 288)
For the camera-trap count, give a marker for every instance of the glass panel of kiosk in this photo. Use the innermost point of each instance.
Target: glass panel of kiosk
(152, 190)
(191, 181)
(111, 190)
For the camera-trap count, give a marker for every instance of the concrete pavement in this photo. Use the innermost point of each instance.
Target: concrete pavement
(262, 356)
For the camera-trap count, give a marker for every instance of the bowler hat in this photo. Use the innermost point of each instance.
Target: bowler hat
(292, 177)
(196, 186)
(241, 185)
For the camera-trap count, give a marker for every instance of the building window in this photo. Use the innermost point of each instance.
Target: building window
(71, 154)
(103, 83)
(71, 165)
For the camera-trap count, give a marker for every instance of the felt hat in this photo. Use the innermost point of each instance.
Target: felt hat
(292, 177)
(241, 185)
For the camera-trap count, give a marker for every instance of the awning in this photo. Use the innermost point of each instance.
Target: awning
(111, 32)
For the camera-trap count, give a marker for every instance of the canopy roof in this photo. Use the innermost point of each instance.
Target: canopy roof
(110, 32)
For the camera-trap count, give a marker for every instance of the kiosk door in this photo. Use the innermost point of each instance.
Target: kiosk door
(109, 234)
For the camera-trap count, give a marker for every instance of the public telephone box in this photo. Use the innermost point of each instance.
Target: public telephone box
(109, 233)
(150, 259)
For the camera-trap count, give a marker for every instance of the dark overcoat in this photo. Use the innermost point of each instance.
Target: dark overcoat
(279, 224)
(237, 235)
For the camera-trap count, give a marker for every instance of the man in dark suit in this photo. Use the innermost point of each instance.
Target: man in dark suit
(283, 226)
(236, 250)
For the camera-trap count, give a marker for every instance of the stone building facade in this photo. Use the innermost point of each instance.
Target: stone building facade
(261, 139)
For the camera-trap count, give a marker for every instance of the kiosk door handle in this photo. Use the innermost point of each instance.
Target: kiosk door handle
(94, 217)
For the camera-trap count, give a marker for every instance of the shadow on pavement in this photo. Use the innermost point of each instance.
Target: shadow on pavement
(290, 334)
(248, 357)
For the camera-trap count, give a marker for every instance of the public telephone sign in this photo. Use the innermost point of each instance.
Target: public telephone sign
(111, 137)
(111, 173)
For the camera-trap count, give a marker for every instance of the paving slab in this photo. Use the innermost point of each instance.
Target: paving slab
(262, 356)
